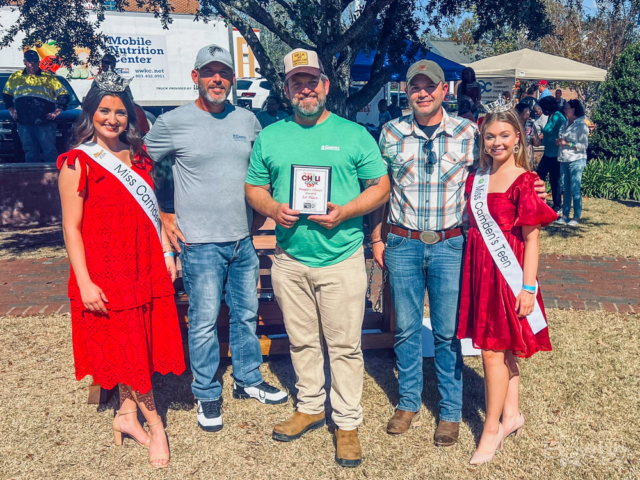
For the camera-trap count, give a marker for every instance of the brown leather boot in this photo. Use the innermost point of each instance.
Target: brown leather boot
(401, 421)
(348, 451)
(446, 434)
(297, 425)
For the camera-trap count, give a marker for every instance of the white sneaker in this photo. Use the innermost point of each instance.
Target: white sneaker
(210, 415)
(264, 393)
(562, 221)
(575, 222)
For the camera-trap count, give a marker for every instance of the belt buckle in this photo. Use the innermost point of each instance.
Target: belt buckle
(429, 237)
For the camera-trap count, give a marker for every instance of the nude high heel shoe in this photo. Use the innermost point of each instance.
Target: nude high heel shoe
(479, 459)
(517, 428)
(158, 456)
(117, 433)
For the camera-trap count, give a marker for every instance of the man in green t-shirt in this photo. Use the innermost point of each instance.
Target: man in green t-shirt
(318, 274)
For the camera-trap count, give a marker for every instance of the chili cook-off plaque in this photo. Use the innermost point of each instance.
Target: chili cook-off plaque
(310, 189)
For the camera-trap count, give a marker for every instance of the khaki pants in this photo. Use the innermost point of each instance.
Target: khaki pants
(326, 301)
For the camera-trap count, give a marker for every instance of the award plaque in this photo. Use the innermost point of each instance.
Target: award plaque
(310, 189)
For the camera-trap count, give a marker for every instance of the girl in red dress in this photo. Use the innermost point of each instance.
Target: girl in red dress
(123, 313)
(490, 314)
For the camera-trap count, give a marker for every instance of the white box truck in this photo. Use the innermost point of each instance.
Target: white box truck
(159, 60)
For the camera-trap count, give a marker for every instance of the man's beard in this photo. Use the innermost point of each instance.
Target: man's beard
(204, 93)
(308, 111)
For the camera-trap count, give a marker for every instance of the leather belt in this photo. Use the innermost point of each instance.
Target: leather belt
(429, 237)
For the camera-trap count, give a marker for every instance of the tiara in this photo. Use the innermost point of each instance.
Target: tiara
(112, 82)
(498, 106)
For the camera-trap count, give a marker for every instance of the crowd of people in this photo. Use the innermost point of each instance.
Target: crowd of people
(232, 170)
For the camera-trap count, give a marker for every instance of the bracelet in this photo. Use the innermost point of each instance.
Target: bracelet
(169, 254)
(529, 288)
(571, 145)
(376, 241)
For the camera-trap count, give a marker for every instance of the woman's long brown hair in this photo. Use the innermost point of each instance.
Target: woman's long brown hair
(510, 117)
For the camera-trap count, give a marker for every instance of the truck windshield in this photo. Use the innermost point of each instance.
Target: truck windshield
(243, 84)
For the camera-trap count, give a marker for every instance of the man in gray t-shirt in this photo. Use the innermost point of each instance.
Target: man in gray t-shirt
(209, 143)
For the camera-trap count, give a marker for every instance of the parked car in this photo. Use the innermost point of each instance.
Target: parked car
(10, 145)
(253, 93)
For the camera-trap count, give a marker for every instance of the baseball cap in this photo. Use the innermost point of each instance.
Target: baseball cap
(302, 61)
(542, 82)
(428, 68)
(213, 53)
(31, 56)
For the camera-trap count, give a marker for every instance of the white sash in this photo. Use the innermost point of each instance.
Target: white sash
(134, 183)
(499, 248)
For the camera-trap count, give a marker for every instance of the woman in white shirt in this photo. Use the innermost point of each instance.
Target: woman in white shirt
(573, 142)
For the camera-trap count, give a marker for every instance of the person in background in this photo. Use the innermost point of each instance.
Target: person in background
(383, 116)
(529, 99)
(108, 63)
(544, 91)
(394, 110)
(272, 114)
(573, 142)
(561, 101)
(469, 89)
(540, 119)
(549, 165)
(506, 96)
(531, 134)
(34, 99)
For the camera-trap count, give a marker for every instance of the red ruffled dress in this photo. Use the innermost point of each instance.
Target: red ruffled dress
(141, 333)
(487, 304)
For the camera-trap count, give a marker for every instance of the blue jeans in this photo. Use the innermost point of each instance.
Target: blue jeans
(207, 268)
(36, 137)
(572, 172)
(413, 266)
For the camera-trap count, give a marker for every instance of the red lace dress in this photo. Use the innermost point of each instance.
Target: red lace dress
(141, 334)
(487, 304)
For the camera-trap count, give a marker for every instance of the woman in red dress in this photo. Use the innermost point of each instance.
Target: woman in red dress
(124, 320)
(490, 314)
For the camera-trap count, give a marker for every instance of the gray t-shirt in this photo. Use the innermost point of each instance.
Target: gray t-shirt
(210, 157)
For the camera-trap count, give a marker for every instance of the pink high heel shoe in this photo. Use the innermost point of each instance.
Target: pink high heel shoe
(479, 459)
(517, 428)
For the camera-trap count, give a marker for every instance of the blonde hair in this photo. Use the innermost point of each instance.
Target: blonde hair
(510, 117)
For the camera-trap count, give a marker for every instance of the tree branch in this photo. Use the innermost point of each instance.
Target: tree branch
(298, 20)
(260, 15)
(362, 25)
(267, 69)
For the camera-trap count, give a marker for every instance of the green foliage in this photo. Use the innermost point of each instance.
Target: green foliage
(619, 179)
(617, 118)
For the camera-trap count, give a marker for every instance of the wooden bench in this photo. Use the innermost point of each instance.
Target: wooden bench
(378, 327)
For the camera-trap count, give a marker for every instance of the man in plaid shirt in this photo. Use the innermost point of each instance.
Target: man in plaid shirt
(428, 154)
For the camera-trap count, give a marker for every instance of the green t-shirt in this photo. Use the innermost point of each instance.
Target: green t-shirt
(338, 143)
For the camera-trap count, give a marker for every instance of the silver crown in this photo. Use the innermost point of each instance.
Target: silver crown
(112, 82)
(498, 106)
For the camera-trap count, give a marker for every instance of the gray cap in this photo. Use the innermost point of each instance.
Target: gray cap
(428, 68)
(213, 53)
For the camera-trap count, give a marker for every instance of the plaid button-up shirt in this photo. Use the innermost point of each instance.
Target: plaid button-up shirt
(428, 174)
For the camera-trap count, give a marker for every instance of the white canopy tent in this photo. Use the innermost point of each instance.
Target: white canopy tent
(528, 64)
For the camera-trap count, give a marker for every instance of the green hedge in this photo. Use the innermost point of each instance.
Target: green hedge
(612, 179)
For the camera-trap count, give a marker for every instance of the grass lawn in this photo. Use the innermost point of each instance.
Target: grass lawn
(580, 403)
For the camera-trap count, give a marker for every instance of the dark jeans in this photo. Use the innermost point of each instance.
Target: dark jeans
(207, 268)
(36, 137)
(550, 166)
(414, 266)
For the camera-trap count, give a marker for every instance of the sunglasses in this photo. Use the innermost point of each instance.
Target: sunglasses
(432, 159)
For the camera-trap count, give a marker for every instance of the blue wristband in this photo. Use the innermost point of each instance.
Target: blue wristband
(169, 254)
(529, 288)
